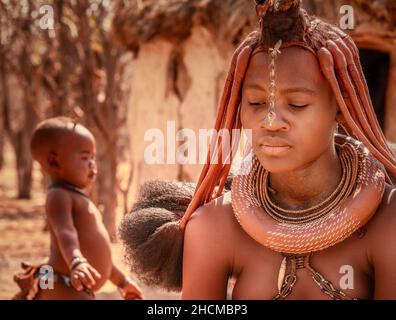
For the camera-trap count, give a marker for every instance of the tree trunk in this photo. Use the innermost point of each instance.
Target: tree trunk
(24, 160)
(23, 155)
(20, 137)
(107, 192)
(24, 165)
(3, 105)
(1, 146)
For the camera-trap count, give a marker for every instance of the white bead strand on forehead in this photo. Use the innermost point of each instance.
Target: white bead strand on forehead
(273, 53)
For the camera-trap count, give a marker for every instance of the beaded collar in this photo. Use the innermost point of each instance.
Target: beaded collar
(321, 226)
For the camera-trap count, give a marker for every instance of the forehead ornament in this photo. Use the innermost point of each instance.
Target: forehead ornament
(273, 53)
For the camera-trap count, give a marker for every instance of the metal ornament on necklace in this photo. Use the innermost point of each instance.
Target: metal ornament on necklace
(287, 278)
(273, 53)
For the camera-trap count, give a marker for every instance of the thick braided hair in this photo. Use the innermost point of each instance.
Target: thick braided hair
(338, 57)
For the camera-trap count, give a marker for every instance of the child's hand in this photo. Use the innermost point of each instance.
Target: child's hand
(130, 291)
(84, 275)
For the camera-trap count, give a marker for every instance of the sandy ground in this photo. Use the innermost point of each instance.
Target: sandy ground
(23, 238)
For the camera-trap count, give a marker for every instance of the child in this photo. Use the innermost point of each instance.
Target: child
(80, 252)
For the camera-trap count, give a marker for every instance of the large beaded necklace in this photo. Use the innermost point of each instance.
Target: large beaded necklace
(347, 209)
(349, 164)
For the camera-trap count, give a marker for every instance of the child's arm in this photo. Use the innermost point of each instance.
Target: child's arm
(59, 215)
(128, 289)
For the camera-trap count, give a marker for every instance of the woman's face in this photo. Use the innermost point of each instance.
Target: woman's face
(304, 105)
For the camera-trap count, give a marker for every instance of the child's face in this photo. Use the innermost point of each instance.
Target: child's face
(304, 105)
(76, 160)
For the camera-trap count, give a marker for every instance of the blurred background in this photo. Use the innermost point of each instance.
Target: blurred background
(121, 68)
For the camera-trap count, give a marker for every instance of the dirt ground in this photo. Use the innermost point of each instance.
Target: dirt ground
(23, 236)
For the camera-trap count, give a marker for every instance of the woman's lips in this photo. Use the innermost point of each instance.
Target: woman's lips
(274, 150)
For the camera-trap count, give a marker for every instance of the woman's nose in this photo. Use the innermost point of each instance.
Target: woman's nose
(275, 121)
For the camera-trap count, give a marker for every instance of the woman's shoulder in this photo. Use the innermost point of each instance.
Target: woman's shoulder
(215, 218)
(381, 238)
(219, 208)
(382, 226)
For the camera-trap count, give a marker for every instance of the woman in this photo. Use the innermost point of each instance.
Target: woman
(311, 216)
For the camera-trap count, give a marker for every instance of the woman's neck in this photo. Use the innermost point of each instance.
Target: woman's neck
(307, 186)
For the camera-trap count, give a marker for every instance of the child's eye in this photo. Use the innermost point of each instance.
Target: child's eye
(298, 106)
(84, 158)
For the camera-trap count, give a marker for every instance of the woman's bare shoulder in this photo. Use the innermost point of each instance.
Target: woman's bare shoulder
(383, 225)
(208, 253)
(220, 207)
(216, 216)
(381, 238)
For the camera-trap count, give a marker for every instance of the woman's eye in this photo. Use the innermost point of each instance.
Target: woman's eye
(256, 103)
(298, 106)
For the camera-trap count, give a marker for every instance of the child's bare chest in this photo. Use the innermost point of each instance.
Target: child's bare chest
(93, 236)
(84, 210)
(88, 219)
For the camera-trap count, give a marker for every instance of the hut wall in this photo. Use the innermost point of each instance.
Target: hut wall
(149, 106)
(174, 83)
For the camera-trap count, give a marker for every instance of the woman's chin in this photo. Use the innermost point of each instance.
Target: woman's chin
(275, 165)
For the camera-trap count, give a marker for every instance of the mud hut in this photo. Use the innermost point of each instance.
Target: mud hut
(182, 50)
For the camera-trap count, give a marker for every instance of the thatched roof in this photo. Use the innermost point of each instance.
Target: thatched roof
(383, 11)
(140, 21)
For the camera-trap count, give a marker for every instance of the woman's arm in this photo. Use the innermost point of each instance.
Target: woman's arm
(208, 255)
(383, 248)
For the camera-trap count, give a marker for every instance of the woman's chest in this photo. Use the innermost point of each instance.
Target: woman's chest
(342, 269)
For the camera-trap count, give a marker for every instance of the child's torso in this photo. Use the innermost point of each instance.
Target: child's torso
(93, 239)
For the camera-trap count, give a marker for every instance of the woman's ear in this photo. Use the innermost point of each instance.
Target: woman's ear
(339, 116)
(341, 123)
